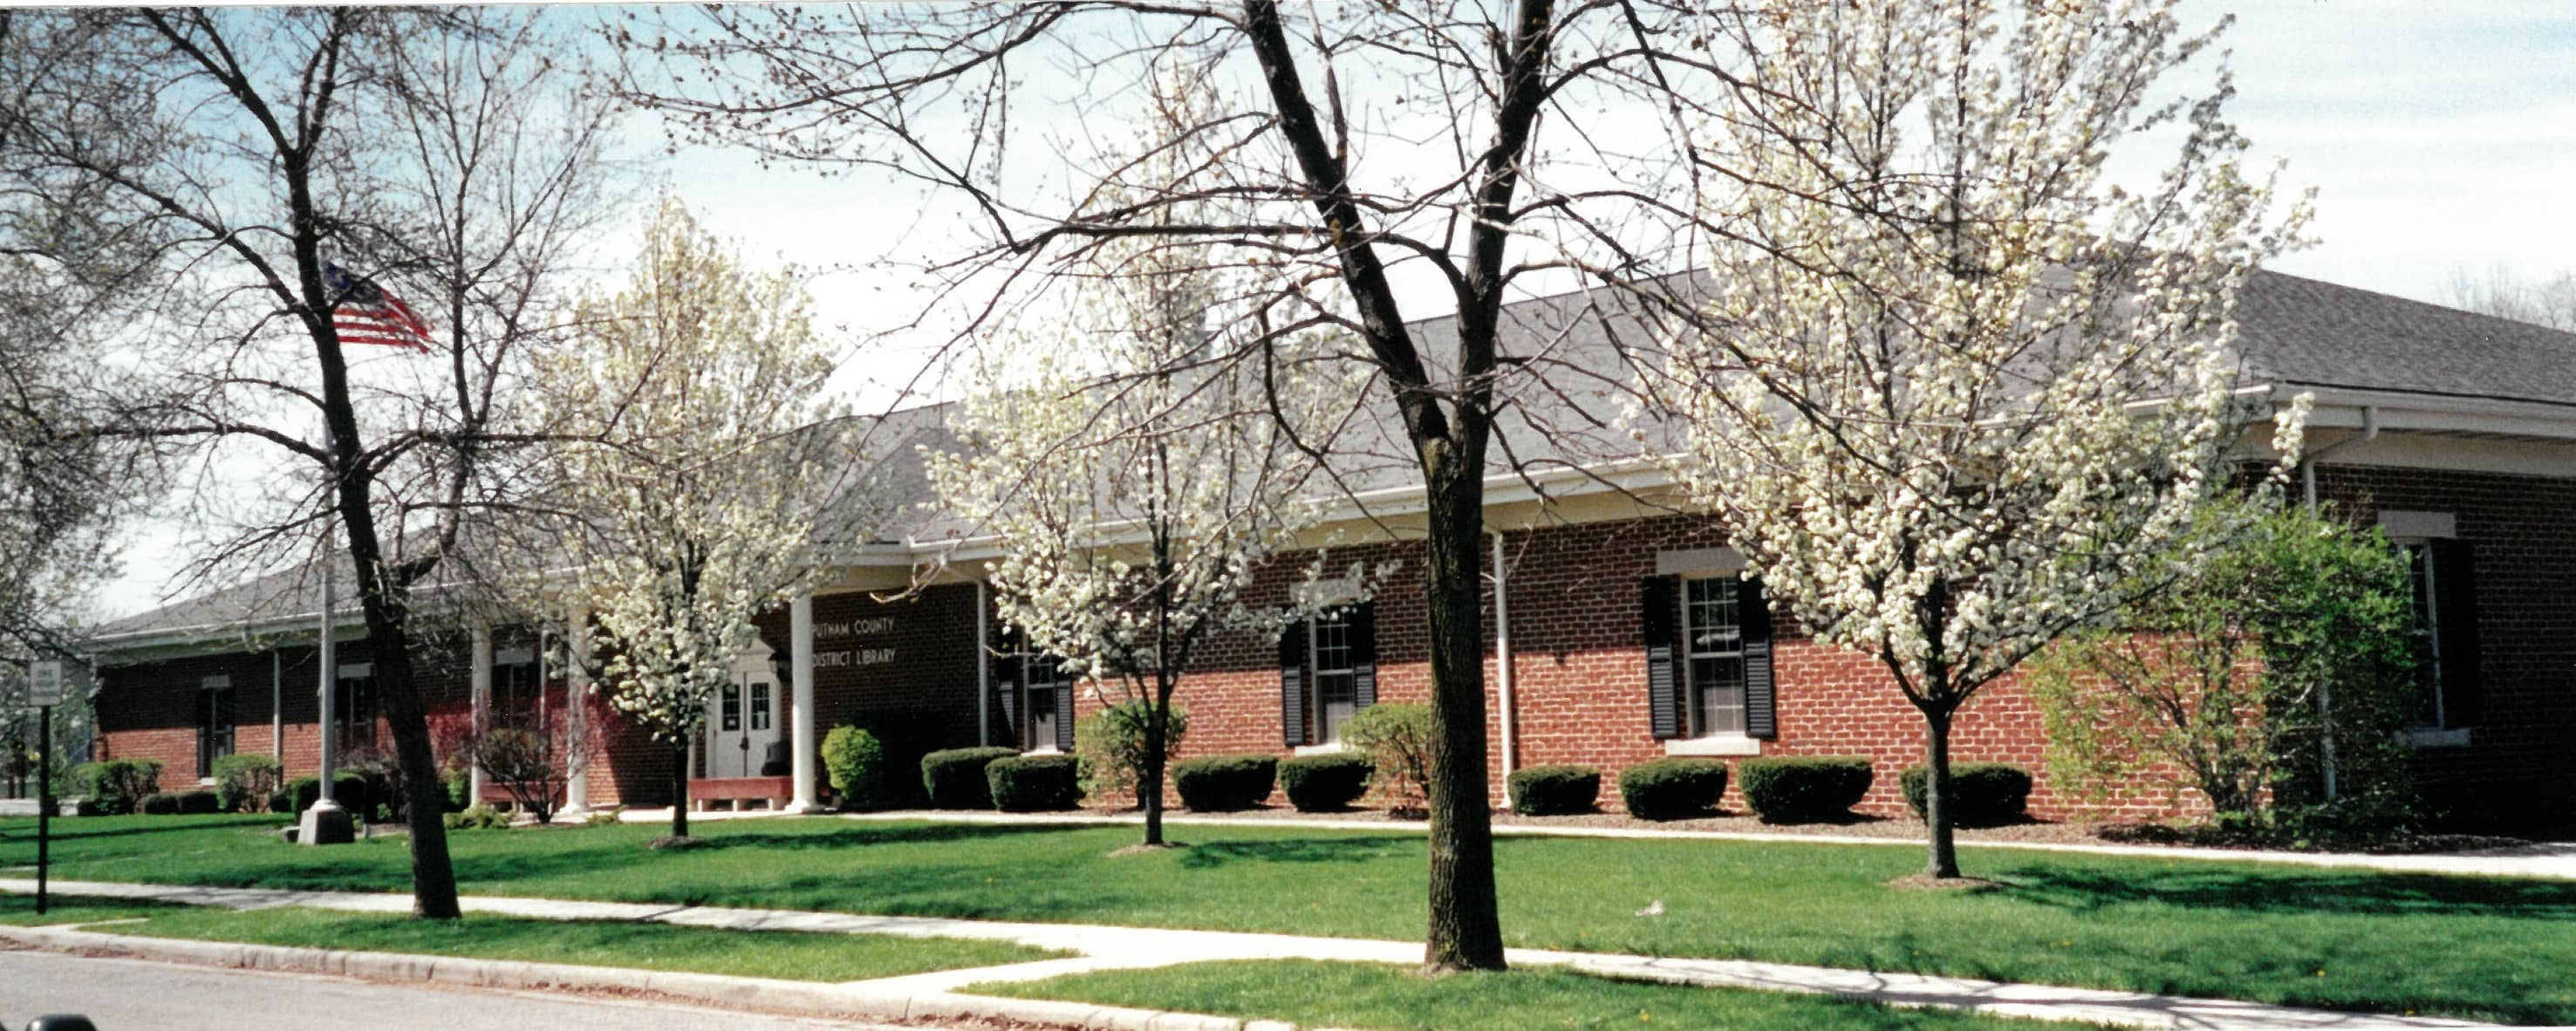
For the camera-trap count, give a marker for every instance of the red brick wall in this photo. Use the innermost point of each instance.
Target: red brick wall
(2522, 535)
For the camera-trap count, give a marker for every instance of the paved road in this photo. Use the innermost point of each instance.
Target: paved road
(135, 995)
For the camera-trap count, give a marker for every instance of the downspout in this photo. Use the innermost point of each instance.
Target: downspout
(983, 669)
(277, 707)
(2308, 493)
(1503, 658)
(2308, 464)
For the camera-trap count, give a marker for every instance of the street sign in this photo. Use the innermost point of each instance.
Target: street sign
(45, 682)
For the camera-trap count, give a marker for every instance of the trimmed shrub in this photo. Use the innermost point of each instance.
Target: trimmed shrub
(245, 782)
(1981, 794)
(954, 779)
(1225, 783)
(199, 803)
(118, 785)
(1797, 788)
(160, 805)
(1672, 789)
(477, 818)
(1554, 789)
(1034, 783)
(459, 786)
(1323, 783)
(857, 765)
(348, 788)
(1397, 740)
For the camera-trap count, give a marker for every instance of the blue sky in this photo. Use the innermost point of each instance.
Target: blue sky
(2441, 138)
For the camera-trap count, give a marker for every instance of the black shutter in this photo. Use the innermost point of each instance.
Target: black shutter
(2455, 600)
(1006, 684)
(1064, 716)
(1663, 687)
(1292, 683)
(1761, 698)
(1363, 634)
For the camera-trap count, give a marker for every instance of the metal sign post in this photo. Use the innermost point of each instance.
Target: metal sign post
(45, 689)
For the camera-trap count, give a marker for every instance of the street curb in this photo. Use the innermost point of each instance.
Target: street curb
(800, 997)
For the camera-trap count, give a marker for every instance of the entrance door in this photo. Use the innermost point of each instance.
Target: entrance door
(742, 725)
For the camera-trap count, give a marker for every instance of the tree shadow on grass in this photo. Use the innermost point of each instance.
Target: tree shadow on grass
(1291, 850)
(2372, 894)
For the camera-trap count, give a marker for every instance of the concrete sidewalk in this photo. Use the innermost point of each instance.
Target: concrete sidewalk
(2543, 860)
(1108, 947)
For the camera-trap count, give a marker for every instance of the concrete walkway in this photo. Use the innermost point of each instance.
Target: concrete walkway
(1107, 947)
(2544, 860)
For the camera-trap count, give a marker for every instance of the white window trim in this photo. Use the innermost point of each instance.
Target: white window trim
(1335, 747)
(1726, 744)
(1692, 710)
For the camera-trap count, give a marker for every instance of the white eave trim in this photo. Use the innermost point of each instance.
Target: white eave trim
(2400, 411)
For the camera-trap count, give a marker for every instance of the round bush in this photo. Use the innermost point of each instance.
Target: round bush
(200, 803)
(1672, 789)
(1797, 788)
(1554, 790)
(1034, 783)
(1981, 794)
(349, 789)
(1324, 783)
(160, 805)
(858, 767)
(1225, 783)
(954, 778)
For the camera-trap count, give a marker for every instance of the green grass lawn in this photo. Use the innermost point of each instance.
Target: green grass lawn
(1385, 998)
(2482, 948)
(793, 955)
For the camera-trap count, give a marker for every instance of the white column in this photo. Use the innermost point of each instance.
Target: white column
(983, 668)
(577, 713)
(800, 641)
(482, 705)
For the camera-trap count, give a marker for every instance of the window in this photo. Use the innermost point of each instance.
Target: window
(730, 706)
(214, 722)
(1713, 656)
(518, 698)
(353, 707)
(760, 704)
(2446, 631)
(1327, 673)
(1042, 685)
(1708, 663)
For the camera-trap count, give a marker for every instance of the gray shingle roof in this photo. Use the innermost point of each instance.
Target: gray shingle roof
(2297, 330)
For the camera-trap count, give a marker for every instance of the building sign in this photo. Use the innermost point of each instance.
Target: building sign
(45, 682)
(853, 643)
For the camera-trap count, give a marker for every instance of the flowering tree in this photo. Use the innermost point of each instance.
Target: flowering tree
(1139, 480)
(1957, 396)
(694, 502)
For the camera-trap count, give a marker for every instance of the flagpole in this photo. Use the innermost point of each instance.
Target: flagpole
(326, 823)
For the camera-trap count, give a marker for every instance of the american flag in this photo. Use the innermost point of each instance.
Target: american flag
(366, 314)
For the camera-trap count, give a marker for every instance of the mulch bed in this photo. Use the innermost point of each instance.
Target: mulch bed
(1905, 827)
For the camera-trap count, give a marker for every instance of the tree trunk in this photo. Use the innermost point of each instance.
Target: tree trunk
(1149, 781)
(1943, 862)
(1464, 932)
(680, 791)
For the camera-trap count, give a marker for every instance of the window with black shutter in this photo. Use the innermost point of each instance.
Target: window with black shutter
(2444, 578)
(1708, 658)
(1327, 672)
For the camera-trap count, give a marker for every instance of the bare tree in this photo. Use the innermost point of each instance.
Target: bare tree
(262, 169)
(1387, 159)
(2547, 302)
